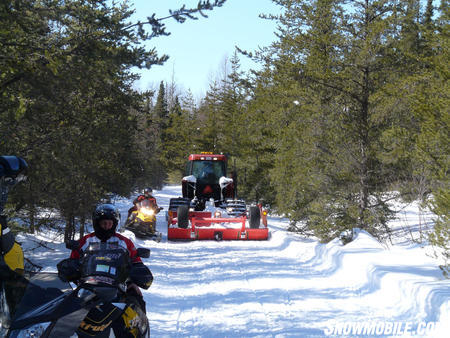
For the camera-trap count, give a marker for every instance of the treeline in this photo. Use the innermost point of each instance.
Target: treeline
(67, 103)
(347, 112)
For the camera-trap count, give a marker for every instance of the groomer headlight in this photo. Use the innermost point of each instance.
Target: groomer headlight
(36, 330)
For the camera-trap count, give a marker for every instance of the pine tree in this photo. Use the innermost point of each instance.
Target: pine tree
(428, 20)
(231, 110)
(162, 123)
(149, 170)
(328, 70)
(176, 144)
(66, 98)
(258, 144)
(161, 110)
(208, 120)
(430, 104)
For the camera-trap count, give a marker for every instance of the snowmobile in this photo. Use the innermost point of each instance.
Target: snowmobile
(142, 222)
(209, 207)
(97, 307)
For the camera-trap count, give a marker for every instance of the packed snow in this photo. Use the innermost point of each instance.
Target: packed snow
(288, 286)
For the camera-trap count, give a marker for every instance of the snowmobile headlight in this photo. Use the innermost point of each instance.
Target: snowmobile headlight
(36, 330)
(147, 211)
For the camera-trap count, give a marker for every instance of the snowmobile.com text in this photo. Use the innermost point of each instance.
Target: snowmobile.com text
(381, 328)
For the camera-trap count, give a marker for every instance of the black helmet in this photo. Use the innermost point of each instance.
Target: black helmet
(105, 211)
(148, 191)
(13, 167)
(12, 170)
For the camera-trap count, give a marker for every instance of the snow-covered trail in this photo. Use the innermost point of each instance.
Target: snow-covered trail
(287, 286)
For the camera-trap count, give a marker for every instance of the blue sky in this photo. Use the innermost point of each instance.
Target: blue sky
(197, 48)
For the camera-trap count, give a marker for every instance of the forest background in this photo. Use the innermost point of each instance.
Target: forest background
(347, 112)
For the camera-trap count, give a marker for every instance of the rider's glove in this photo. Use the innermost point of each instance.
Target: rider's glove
(69, 270)
(141, 275)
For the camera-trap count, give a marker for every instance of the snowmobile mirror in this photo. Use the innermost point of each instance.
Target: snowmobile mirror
(12, 167)
(143, 252)
(12, 170)
(190, 179)
(72, 244)
(224, 181)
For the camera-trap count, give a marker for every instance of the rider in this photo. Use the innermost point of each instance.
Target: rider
(105, 220)
(146, 195)
(11, 267)
(11, 254)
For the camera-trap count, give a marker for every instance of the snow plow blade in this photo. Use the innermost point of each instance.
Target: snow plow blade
(202, 226)
(217, 234)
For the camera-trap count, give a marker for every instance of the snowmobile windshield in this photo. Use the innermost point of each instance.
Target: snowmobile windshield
(208, 172)
(105, 263)
(33, 290)
(145, 204)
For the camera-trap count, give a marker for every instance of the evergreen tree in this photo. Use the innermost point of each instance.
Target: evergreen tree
(192, 134)
(161, 121)
(66, 96)
(208, 120)
(428, 20)
(429, 101)
(150, 171)
(221, 112)
(258, 144)
(161, 110)
(232, 110)
(420, 134)
(327, 69)
(176, 141)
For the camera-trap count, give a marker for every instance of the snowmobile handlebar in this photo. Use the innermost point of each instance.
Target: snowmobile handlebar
(74, 245)
(143, 252)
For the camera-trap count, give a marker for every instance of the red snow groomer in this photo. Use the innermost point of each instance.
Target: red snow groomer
(209, 208)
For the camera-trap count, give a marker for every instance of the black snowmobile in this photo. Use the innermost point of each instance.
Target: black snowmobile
(97, 307)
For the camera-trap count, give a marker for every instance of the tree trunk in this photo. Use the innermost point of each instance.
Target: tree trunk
(69, 233)
(32, 219)
(364, 152)
(82, 223)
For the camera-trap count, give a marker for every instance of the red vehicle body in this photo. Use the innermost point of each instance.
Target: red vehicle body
(209, 208)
